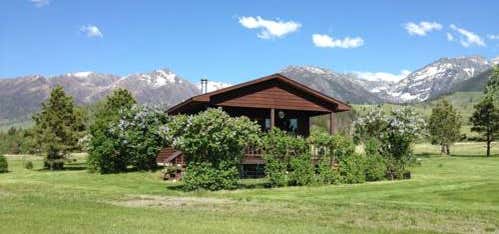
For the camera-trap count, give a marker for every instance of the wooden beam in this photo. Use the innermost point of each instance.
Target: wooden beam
(332, 123)
(272, 118)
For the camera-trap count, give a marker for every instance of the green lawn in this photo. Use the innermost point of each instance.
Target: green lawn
(458, 194)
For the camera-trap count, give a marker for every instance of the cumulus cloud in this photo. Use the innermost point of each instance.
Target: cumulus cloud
(40, 3)
(423, 28)
(91, 31)
(325, 41)
(450, 37)
(384, 76)
(269, 28)
(468, 38)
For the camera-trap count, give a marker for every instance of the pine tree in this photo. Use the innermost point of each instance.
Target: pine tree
(485, 119)
(492, 88)
(57, 128)
(444, 125)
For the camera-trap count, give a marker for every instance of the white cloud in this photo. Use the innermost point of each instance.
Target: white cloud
(468, 38)
(91, 31)
(450, 37)
(269, 28)
(322, 40)
(423, 28)
(493, 36)
(384, 76)
(40, 3)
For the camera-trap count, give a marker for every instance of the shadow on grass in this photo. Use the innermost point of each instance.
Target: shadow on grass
(473, 155)
(73, 166)
(430, 155)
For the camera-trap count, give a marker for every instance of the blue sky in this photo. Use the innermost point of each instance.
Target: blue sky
(233, 41)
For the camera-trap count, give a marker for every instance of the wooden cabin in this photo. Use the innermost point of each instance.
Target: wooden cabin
(272, 101)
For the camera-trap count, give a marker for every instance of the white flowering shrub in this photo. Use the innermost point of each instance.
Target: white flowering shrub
(213, 144)
(134, 139)
(395, 132)
(140, 135)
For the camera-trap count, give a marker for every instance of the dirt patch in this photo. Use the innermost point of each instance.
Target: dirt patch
(168, 202)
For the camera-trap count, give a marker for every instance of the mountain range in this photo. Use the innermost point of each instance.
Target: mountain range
(21, 96)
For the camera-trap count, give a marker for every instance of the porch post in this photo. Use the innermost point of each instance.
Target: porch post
(332, 123)
(272, 118)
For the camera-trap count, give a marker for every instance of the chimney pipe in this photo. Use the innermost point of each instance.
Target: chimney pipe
(204, 85)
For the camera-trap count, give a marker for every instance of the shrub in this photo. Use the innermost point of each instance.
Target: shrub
(302, 170)
(279, 149)
(4, 166)
(28, 165)
(140, 137)
(134, 139)
(213, 143)
(276, 172)
(105, 153)
(327, 174)
(375, 163)
(375, 167)
(352, 169)
(204, 175)
(395, 133)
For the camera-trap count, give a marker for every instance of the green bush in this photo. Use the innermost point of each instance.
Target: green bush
(396, 133)
(352, 169)
(327, 174)
(213, 143)
(4, 166)
(375, 167)
(106, 151)
(375, 163)
(205, 175)
(28, 165)
(279, 149)
(302, 170)
(276, 172)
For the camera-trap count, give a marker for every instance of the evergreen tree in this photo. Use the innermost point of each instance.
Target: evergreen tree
(492, 88)
(57, 127)
(485, 119)
(444, 125)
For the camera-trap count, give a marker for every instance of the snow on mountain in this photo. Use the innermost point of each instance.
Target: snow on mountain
(155, 79)
(345, 86)
(437, 78)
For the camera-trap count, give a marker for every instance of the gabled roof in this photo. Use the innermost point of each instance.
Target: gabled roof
(205, 98)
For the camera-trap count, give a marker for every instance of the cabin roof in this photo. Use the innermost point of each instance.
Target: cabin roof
(204, 99)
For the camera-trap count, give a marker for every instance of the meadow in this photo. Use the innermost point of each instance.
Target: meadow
(457, 194)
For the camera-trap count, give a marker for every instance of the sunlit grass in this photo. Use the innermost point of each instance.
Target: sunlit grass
(455, 194)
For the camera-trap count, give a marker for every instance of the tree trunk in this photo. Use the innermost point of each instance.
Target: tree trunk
(488, 147)
(447, 150)
(442, 148)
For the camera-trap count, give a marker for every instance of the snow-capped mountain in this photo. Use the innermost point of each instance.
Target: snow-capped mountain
(19, 97)
(437, 78)
(345, 86)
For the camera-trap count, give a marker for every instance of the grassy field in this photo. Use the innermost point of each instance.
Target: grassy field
(458, 194)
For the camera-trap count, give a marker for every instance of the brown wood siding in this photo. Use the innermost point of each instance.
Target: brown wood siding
(273, 97)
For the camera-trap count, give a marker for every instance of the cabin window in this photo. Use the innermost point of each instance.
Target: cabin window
(267, 124)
